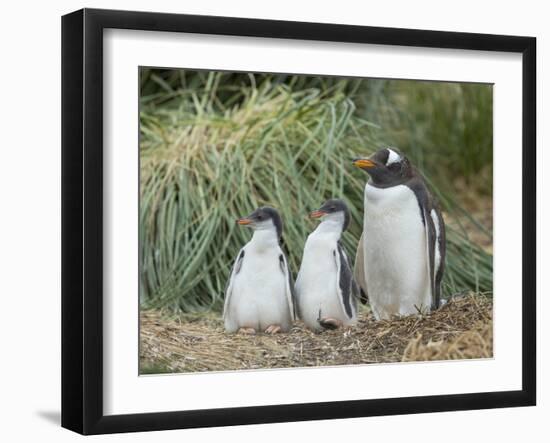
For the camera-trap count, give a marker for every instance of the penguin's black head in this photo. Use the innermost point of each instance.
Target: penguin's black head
(263, 218)
(333, 209)
(386, 167)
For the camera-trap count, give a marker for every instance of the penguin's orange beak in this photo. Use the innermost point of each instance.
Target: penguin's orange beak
(244, 221)
(364, 163)
(316, 214)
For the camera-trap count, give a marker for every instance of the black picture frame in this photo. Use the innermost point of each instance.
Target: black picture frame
(82, 220)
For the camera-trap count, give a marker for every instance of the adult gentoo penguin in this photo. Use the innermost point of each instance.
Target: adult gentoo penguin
(325, 290)
(259, 294)
(401, 253)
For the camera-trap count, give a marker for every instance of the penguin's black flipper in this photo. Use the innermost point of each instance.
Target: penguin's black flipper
(346, 285)
(435, 239)
(435, 235)
(430, 245)
(291, 295)
(359, 272)
(440, 250)
(284, 248)
(229, 286)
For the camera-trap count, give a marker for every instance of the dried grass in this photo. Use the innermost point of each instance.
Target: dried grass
(190, 343)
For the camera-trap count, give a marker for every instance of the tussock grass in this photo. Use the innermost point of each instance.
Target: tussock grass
(215, 146)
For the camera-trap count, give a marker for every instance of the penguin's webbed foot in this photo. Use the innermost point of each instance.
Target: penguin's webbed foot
(330, 323)
(273, 329)
(247, 331)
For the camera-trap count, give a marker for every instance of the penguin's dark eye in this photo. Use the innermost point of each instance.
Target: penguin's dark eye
(260, 217)
(394, 167)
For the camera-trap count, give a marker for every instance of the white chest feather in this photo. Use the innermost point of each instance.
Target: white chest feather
(396, 262)
(318, 268)
(260, 269)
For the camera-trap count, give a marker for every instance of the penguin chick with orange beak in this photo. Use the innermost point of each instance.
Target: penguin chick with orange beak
(259, 295)
(325, 290)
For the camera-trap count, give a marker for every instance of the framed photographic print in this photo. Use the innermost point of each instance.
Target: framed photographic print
(269, 221)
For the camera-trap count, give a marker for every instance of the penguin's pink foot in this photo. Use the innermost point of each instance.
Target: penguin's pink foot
(247, 331)
(330, 323)
(273, 329)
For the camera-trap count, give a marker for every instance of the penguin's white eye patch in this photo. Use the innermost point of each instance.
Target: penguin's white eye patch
(393, 157)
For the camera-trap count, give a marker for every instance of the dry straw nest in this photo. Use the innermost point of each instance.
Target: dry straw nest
(463, 328)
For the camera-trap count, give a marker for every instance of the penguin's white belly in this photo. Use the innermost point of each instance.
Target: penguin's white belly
(395, 249)
(258, 297)
(317, 282)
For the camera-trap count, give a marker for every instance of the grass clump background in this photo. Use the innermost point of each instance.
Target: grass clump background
(214, 146)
